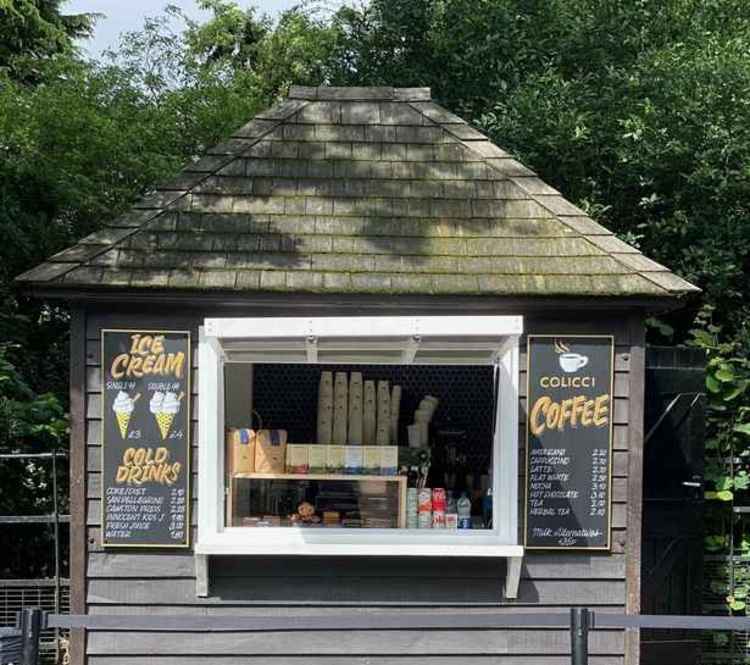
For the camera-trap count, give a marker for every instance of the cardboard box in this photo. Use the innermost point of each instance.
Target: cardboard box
(372, 460)
(316, 458)
(353, 459)
(297, 458)
(335, 459)
(241, 450)
(388, 460)
(270, 451)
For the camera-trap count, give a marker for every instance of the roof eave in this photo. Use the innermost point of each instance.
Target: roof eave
(235, 298)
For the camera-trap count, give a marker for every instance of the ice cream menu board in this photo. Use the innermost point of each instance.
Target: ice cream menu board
(145, 438)
(569, 442)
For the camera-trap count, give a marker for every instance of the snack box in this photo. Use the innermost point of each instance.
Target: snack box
(297, 458)
(241, 450)
(388, 460)
(316, 458)
(371, 464)
(335, 462)
(353, 459)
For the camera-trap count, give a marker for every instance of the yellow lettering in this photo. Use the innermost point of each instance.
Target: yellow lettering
(601, 410)
(565, 413)
(175, 362)
(119, 364)
(536, 423)
(578, 402)
(148, 365)
(134, 368)
(158, 346)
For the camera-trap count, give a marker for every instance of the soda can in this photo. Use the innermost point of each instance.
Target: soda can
(438, 519)
(424, 520)
(451, 520)
(464, 522)
(438, 498)
(424, 500)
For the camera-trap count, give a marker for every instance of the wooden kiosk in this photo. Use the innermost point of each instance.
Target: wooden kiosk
(356, 230)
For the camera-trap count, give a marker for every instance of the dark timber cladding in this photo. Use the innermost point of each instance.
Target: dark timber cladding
(164, 582)
(344, 202)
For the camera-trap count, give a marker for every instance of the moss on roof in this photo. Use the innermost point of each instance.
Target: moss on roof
(358, 190)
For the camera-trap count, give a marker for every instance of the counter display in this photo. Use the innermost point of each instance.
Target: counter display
(380, 445)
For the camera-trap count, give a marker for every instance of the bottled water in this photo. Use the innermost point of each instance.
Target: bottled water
(464, 512)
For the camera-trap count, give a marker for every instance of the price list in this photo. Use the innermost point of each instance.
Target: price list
(568, 446)
(145, 438)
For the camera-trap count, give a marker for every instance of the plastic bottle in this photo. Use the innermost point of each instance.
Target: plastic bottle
(464, 512)
(487, 509)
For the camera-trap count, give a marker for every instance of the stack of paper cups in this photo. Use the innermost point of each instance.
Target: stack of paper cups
(325, 408)
(395, 408)
(355, 409)
(340, 408)
(369, 410)
(383, 433)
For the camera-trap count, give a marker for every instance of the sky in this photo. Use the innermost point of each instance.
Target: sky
(125, 15)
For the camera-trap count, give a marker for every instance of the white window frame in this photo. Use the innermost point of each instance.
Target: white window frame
(214, 538)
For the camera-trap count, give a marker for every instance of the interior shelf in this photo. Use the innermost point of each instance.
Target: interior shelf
(319, 476)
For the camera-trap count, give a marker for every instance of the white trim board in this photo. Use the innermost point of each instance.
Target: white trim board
(498, 334)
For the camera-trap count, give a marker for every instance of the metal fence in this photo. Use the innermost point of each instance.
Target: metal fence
(52, 594)
(20, 646)
(18, 595)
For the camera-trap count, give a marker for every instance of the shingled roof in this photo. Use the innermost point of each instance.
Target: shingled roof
(358, 190)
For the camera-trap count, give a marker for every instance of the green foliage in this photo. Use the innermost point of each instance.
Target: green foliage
(637, 111)
(727, 471)
(28, 421)
(34, 30)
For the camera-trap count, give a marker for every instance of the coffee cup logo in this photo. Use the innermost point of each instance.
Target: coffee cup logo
(569, 362)
(572, 362)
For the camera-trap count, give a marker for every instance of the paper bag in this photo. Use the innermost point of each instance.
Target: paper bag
(270, 451)
(241, 450)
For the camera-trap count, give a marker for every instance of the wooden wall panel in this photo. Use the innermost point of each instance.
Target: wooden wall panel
(352, 643)
(346, 660)
(163, 582)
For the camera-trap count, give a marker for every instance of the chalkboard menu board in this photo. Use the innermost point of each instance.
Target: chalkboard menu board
(569, 442)
(145, 438)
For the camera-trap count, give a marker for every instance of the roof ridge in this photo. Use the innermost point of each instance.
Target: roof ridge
(359, 93)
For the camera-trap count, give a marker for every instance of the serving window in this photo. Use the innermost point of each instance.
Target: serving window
(391, 435)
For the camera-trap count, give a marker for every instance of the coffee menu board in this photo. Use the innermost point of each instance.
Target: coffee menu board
(569, 442)
(145, 438)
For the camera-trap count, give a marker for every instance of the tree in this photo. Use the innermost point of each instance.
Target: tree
(35, 30)
(634, 110)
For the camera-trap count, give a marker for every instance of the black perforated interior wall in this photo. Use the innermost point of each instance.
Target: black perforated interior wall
(286, 397)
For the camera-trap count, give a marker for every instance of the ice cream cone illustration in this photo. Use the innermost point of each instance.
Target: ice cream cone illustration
(165, 406)
(123, 407)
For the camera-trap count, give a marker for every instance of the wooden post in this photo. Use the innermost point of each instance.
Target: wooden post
(78, 534)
